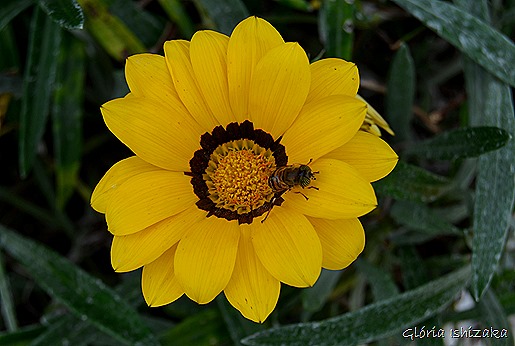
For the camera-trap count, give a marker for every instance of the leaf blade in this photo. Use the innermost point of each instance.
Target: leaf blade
(369, 323)
(461, 143)
(86, 297)
(66, 13)
(67, 116)
(475, 38)
(401, 93)
(38, 83)
(225, 14)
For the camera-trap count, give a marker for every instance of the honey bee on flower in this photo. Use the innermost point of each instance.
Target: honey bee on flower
(218, 125)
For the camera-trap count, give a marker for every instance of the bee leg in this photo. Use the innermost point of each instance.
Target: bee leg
(303, 195)
(313, 187)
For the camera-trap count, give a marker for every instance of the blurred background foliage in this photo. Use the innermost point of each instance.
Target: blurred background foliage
(440, 247)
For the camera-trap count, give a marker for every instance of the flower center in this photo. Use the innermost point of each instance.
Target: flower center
(237, 176)
(230, 173)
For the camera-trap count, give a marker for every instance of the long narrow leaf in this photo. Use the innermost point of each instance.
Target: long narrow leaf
(336, 26)
(176, 12)
(67, 116)
(490, 103)
(10, 9)
(401, 93)
(38, 83)
(461, 143)
(408, 182)
(87, 297)
(66, 13)
(225, 14)
(475, 38)
(110, 32)
(493, 314)
(373, 322)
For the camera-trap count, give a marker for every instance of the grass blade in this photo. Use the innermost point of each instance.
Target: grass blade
(373, 322)
(475, 38)
(38, 83)
(87, 297)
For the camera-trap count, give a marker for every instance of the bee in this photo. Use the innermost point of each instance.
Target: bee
(285, 178)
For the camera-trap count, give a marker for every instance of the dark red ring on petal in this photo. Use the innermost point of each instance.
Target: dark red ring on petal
(209, 142)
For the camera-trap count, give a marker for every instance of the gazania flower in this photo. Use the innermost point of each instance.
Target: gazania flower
(249, 169)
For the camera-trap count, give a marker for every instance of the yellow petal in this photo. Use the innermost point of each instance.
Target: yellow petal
(205, 258)
(147, 75)
(333, 76)
(208, 55)
(342, 192)
(129, 252)
(369, 154)
(160, 134)
(252, 289)
(116, 176)
(158, 281)
(251, 39)
(342, 241)
(288, 246)
(374, 120)
(278, 88)
(177, 55)
(322, 126)
(148, 198)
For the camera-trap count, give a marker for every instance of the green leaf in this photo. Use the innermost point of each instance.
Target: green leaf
(67, 116)
(225, 14)
(237, 325)
(495, 192)
(203, 328)
(381, 283)
(109, 31)
(88, 298)
(408, 182)
(143, 24)
(490, 104)
(420, 217)
(67, 330)
(176, 12)
(67, 13)
(10, 9)
(400, 93)
(38, 83)
(493, 315)
(22, 336)
(461, 143)
(373, 322)
(475, 38)
(301, 5)
(314, 298)
(7, 307)
(336, 26)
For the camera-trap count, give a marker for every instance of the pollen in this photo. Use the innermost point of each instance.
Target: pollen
(237, 176)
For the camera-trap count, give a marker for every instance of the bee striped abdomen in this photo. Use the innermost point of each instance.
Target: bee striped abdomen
(276, 180)
(287, 177)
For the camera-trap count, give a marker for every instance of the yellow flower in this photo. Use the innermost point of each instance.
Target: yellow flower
(202, 205)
